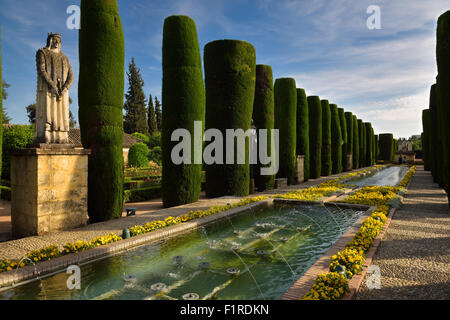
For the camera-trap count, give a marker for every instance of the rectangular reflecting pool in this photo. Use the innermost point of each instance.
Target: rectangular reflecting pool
(390, 176)
(256, 255)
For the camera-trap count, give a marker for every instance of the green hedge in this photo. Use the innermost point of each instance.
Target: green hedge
(377, 149)
(303, 130)
(142, 194)
(14, 137)
(285, 94)
(349, 124)
(230, 72)
(369, 144)
(336, 139)
(183, 98)
(138, 155)
(443, 94)
(315, 137)
(362, 143)
(356, 163)
(427, 159)
(434, 134)
(327, 164)
(386, 141)
(372, 132)
(344, 138)
(100, 99)
(264, 118)
(5, 193)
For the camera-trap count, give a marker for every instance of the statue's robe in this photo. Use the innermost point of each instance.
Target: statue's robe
(52, 111)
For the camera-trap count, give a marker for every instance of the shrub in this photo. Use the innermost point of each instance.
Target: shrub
(369, 144)
(145, 139)
(315, 137)
(330, 286)
(100, 99)
(386, 142)
(336, 139)
(5, 193)
(183, 98)
(303, 131)
(155, 155)
(345, 150)
(350, 258)
(285, 94)
(362, 143)
(327, 164)
(356, 163)
(14, 137)
(230, 72)
(349, 124)
(154, 140)
(263, 117)
(138, 155)
(142, 194)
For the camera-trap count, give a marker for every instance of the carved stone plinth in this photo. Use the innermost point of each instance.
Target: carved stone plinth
(49, 189)
(299, 170)
(349, 162)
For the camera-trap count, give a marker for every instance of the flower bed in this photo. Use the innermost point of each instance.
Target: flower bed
(350, 261)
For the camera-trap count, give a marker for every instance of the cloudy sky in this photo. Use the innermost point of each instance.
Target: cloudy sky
(383, 76)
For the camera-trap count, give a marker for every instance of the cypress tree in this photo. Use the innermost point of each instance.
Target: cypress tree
(344, 138)
(356, 163)
(443, 93)
(386, 141)
(263, 118)
(425, 139)
(434, 134)
(394, 148)
(349, 124)
(285, 94)
(362, 143)
(369, 148)
(315, 137)
(135, 104)
(336, 139)
(373, 145)
(327, 164)
(230, 72)
(151, 118)
(377, 149)
(100, 98)
(303, 130)
(158, 114)
(183, 95)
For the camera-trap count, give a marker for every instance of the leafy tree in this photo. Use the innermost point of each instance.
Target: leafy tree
(135, 105)
(138, 155)
(158, 113)
(14, 137)
(6, 118)
(151, 117)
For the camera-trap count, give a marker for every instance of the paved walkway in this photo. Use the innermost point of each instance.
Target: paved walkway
(146, 211)
(414, 255)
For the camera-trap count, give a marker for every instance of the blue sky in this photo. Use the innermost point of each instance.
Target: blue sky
(383, 76)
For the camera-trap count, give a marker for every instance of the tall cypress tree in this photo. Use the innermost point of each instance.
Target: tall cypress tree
(327, 164)
(344, 138)
(356, 164)
(362, 143)
(434, 135)
(151, 118)
(100, 98)
(315, 137)
(349, 124)
(135, 104)
(369, 143)
(303, 131)
(336, 139)
(158, 113)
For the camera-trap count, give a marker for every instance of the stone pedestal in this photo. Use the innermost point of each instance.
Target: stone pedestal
(49, 189)
(299, 170)
(349, 162)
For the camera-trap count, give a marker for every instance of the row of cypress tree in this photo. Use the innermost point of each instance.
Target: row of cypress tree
(436, 119)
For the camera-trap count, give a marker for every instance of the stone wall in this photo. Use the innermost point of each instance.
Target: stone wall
(49, 190)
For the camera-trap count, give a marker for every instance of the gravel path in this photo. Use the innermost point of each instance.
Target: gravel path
(414, 255)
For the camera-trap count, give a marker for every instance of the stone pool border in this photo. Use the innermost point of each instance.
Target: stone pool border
(14, 278)
(304, 284)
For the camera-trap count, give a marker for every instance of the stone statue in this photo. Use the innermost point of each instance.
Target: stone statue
(52, 102)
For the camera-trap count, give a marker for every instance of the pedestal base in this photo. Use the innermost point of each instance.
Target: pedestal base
(49, 190)
(300, 169)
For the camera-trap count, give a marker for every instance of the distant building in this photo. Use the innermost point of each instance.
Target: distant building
(405, 150)
(128, 141)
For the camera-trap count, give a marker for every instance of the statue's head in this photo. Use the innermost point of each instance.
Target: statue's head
(54, 41)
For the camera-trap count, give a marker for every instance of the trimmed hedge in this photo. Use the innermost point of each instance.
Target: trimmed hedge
(327, 164)
(443, 94)
(369, 144)
(349, 124)
(362, 143)
(264, 118)
(336, 139)
(100, 98)
(377, 149)
(435, 163)
(386, 141)
(344, 138)
(425, 139)
(142, 194)
(356, 163)
(138, 155)
(372, 132)
(315, 136)
(230, 72)
(183, 98)
(17, 136)
(285, 94)
(303, 131)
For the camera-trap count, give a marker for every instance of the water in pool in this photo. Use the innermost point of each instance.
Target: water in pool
(387, 177)
(258, 255)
